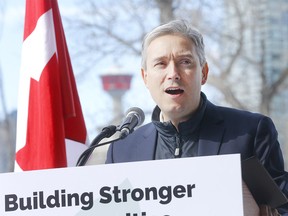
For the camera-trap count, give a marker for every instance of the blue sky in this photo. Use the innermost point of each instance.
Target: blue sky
(11, 44)
(10, 49)
(96, 104)
(90, 90)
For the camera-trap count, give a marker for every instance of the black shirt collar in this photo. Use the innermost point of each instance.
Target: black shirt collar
(184, 128)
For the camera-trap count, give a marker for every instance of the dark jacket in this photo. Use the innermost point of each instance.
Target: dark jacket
(222, 131)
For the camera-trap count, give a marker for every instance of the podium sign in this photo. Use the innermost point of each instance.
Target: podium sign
(209, 185)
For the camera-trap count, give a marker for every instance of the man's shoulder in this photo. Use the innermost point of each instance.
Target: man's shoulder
(235, 116)
(143, 131)
(230, 111)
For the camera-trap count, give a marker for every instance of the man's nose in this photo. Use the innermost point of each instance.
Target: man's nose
(173, 71)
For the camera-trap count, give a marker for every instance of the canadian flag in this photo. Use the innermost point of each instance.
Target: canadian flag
(51, 131)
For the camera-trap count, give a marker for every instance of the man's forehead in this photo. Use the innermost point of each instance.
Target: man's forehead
(163, 47)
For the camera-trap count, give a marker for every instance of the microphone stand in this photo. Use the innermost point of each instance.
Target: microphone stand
(135, 116)
(105, 133)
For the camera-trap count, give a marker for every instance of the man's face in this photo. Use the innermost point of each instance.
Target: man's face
(174, 76)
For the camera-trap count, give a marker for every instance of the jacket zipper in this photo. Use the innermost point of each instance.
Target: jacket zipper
(177, 149)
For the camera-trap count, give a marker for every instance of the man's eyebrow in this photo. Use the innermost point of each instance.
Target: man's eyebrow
(178, 56)
(188, 55)
(160, 58)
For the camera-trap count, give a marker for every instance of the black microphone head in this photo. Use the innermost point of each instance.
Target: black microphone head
(137, 112)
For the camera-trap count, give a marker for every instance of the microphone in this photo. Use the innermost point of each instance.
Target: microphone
(105, 133)
(134, 117)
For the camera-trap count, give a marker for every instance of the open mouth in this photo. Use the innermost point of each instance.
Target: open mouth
(174, 91)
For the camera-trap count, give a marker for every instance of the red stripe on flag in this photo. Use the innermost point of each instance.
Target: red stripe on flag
(34, 9)
(65, 67)
(54, 109)
(45, 144)
(70, 97)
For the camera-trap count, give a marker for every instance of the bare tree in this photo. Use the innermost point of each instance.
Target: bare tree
(221, 80)
(166, 10)
(229, 27)
(2, 97)
(7, 126)
(117, 30)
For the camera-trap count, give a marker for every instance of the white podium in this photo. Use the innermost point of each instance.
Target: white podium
(202, 186)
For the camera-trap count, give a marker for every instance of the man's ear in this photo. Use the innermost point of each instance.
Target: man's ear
(144, 76)
(205, 71)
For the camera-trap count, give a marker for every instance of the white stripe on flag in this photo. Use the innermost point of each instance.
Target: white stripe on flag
(73, 151)
(37, 50)
(39, 47)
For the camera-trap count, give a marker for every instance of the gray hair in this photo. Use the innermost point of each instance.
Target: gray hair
(175, 27)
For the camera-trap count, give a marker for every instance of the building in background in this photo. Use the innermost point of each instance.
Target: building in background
(272, 34)
(116, 83)
(263, 25)
(7, 142)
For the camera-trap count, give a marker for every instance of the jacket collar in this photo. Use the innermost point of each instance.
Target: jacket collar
(211, 132)
(210, 137)
(147, 144)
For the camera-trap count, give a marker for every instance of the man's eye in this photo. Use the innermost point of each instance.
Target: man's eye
(185, 61)
(159, 64)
